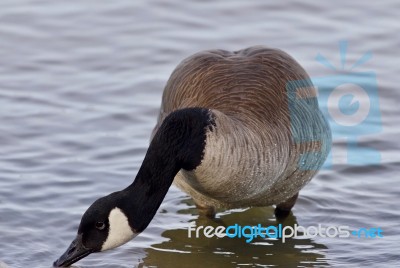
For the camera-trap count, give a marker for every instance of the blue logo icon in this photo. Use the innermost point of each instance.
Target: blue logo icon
(349, 100)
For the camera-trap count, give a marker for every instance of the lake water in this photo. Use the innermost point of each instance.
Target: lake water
(80, 88)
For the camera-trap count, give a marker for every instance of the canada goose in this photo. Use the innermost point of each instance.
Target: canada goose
(235, 129)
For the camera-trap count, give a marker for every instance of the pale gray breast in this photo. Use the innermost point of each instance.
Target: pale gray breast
(238, 164)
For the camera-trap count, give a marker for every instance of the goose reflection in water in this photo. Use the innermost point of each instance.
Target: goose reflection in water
(231, 252)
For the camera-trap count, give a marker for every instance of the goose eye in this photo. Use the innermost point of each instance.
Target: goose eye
(100, 225)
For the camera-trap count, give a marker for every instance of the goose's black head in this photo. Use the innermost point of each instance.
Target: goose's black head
(103, 226)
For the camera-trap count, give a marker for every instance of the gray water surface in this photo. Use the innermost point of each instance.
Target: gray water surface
(80, 87)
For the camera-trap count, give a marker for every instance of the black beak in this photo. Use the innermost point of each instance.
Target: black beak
(74, 253)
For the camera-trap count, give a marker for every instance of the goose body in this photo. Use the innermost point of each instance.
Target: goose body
(235, 129)
(250, 157)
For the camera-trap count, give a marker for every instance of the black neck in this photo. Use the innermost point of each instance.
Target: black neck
(178, 144)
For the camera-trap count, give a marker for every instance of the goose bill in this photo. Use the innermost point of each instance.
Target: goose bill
(74, 253)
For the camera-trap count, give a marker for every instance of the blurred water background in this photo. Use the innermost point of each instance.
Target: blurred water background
(80, 87)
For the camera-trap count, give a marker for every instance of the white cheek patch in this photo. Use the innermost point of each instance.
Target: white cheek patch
(119, 231)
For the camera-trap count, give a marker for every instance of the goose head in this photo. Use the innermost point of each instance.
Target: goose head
(103, 226)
